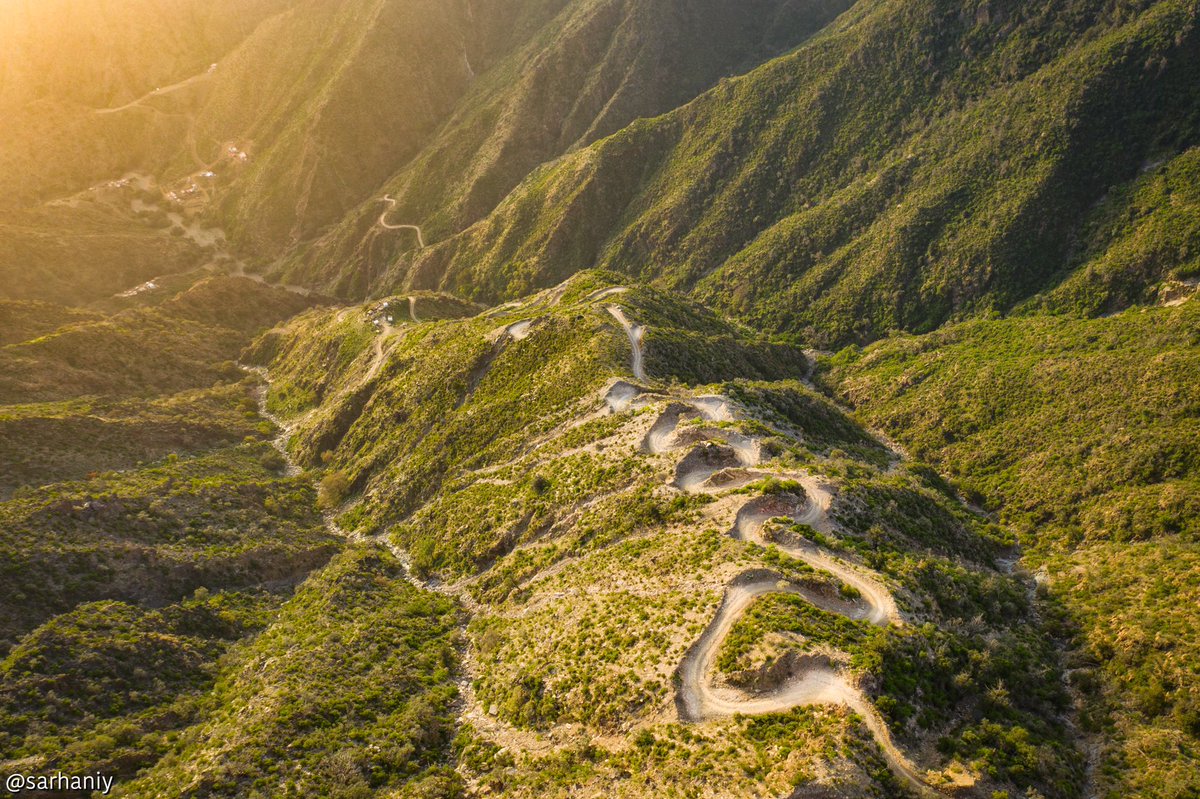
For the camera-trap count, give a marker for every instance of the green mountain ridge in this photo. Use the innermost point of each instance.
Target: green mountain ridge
(962, 181)
(317, 123)
(590, 71)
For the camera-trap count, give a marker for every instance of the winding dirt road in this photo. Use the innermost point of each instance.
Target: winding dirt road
(520, 331)
(383, 223)
(700, 698)
(604, 294)
(386, 329)
(280, 441)
(814, 680)
(239, 270)
(636, 333)
(712, 451)
(160, 92)
(815, 513)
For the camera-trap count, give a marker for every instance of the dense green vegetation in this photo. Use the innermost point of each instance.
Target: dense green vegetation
(791, 615)
(1081, 436)
(347, 693)
(1141, 245)
(782, 752)
(21, 321)
(108, 685)
(190, 341)
(807, 415)
(953, 174)
(53, 441)
(117, 487)
(1074, 431)
(563, 75)
(223, 519)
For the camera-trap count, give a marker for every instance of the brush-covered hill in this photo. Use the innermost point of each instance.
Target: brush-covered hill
(916, 162)
(598, 541)
(591, 69)
(147, 524)
(602, 530)
(136, 467)
(1082, 437)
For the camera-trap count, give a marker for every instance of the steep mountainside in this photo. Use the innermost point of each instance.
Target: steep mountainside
(287, 115)
(678, 568)
(916, 162)
(590, 511)
(590, 71)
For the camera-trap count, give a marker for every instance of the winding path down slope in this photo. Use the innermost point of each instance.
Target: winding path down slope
(519, 331)
(383, 223)
(815, 513)
(604, 294)
(814, 680)
(815, 683)
(636, 333)
(378, 357)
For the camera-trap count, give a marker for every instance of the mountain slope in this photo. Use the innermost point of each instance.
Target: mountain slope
(619, 535)
(325, 100)
(1082, 437)
(951, 175)
(64, 62)
(590, 525)
(143, 532)
(590, 71)
(290, 119)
